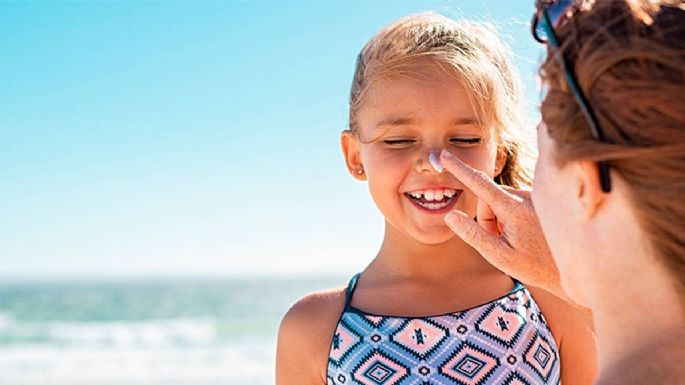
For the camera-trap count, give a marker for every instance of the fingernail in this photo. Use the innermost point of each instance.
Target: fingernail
(449, 218)
(434, 159)
(452, 217)
(447, 155)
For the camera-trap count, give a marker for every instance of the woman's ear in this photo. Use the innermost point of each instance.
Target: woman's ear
(351, 151)
(588, 191)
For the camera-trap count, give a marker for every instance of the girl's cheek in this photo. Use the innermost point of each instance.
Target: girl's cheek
(397, 156)
(478, 158)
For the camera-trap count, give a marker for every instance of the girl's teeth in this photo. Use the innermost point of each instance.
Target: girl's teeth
(434, 195)
(433, 206)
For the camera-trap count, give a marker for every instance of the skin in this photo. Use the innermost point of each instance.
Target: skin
(422, 268)
(608, 269)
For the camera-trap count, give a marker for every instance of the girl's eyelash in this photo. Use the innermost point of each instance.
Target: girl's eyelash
(466, 140)
(454, 140)
(398, 141)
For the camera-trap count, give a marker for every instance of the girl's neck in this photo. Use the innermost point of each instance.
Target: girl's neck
(402, 256)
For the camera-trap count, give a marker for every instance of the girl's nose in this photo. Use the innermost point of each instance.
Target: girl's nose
(429, 162)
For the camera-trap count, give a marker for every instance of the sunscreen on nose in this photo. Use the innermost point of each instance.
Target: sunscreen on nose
(434, 159)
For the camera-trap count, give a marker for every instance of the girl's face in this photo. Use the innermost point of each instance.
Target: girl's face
(405, 119)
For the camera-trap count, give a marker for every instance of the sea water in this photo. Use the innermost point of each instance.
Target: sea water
(145, 331)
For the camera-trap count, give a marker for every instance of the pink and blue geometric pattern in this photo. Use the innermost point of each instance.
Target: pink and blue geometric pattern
(378, 369)
(505, 341)
(420, 337)
(540, 356)
(501, 324)
(470, 365)
(345, 341)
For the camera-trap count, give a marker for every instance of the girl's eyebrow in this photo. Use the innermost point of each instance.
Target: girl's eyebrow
(394, 122)
(466, 122)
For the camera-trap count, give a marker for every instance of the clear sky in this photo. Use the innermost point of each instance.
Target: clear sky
(163, 138)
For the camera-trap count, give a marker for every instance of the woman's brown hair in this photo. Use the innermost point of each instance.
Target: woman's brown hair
(629, 59)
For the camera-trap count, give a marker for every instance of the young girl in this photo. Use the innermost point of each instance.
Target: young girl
(429, 309)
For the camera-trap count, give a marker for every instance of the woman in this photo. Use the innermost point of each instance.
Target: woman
(608, 184)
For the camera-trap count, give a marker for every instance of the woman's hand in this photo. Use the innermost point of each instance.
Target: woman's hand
(507, 232)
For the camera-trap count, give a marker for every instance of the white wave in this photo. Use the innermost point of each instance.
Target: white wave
(113, 334)
(227, 365)
(144, 333)
(6, 321)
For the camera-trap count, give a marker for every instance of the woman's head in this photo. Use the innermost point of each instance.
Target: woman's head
(629, 59)
(434, 83)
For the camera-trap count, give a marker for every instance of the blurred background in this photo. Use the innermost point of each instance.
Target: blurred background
(171, 179)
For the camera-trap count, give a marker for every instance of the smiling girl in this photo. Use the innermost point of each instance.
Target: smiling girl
(429, 309)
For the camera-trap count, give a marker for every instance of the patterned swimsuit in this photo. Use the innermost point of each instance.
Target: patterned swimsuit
(505, 341)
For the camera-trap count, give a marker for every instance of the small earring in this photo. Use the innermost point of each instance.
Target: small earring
(360, 171)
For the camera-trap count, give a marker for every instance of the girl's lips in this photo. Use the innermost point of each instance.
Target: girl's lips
(448, 205)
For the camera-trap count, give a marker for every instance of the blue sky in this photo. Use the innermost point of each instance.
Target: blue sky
(163, 138)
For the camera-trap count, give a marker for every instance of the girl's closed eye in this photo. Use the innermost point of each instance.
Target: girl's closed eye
(398, 142)
(466, 142)
(462, 142)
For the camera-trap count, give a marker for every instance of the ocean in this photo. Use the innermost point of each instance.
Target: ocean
(145, 331)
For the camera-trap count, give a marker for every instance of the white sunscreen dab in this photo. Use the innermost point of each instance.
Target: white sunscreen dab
(434, 159)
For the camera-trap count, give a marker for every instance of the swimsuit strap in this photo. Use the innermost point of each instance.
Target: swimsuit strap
(517, 284)
(350, 289)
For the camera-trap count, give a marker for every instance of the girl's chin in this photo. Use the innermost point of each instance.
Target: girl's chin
(434, 237)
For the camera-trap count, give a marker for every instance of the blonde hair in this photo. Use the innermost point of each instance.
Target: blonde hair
(629, 58)
(469, 50)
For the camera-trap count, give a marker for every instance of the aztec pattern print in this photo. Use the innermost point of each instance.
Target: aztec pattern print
(506, 341)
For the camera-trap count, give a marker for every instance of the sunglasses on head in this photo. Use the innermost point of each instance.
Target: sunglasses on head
(548, 15)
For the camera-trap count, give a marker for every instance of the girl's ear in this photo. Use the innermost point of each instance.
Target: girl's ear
(351, 151)
(501, 160)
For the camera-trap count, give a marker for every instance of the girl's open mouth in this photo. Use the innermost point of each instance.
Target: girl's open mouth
(434, 201)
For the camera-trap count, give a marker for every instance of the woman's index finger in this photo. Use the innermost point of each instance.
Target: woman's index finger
(477, 181)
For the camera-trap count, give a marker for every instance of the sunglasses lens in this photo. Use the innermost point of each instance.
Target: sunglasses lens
(541, 30)
(556, 10)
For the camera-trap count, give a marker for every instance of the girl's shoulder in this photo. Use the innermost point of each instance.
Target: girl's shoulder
(305, 335)
(315, 308)
(572, 331)
(562, 318)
